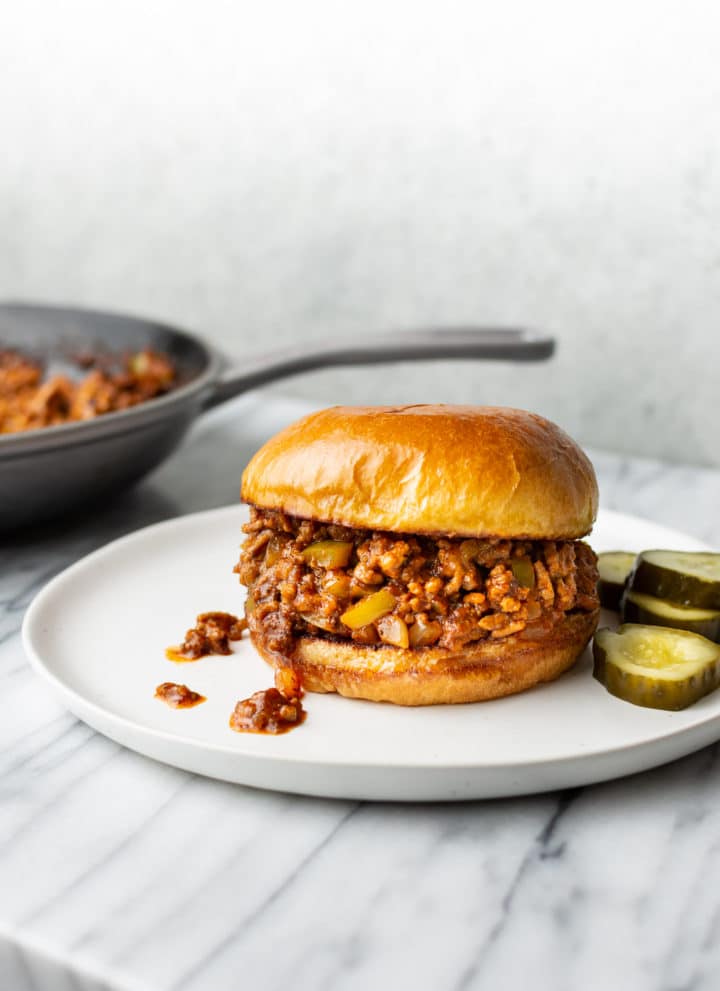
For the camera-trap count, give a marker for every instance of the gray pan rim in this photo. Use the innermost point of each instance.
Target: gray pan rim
(119, 421)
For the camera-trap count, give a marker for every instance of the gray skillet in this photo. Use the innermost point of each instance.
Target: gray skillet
(48, 472)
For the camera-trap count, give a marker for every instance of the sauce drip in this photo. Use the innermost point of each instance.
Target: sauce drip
(273, 710)
(178, 696)
(211, 634)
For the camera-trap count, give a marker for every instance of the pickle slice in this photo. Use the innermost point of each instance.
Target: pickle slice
(656, 667)
(688, 578)
(613, 568)
(639, 608)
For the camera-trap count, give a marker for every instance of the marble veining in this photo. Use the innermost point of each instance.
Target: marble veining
(120, 873)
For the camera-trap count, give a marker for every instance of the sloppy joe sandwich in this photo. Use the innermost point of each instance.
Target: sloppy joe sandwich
(420, 554)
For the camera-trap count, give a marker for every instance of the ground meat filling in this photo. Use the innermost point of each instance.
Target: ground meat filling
(407, 590)
(29, 399)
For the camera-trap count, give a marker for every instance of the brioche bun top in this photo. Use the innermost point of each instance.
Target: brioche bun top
(470, 471)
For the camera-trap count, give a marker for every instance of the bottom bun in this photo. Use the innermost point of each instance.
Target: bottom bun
(435, 675)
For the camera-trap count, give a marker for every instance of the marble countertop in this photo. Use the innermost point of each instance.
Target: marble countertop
(120, 873)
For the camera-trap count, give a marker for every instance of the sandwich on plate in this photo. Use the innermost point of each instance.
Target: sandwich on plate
(420, 554)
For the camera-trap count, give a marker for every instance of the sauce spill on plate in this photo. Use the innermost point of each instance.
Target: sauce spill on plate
(273, 710)
(211, 634)
(178, 696)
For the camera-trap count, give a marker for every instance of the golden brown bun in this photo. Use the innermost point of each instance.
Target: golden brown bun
(433, 675)
(475, 471)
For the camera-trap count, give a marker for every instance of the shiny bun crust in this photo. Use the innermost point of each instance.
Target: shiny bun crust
(471, 471)
(432, 675)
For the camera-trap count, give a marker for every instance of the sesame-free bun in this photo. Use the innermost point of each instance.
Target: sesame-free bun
(471, 471)
(432, 675)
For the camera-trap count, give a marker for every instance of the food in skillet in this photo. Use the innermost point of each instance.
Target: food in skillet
(29, 399)
(420, 554)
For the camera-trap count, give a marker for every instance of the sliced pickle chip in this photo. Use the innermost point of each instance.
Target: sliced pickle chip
(639, 608)
(613, 568)
(328, 553)
(656, 667)
(688, 578)
(369, 609)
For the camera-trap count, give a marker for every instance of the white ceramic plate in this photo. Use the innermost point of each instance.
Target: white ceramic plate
(97, 633)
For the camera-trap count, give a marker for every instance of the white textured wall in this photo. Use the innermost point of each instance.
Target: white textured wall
(262, 172)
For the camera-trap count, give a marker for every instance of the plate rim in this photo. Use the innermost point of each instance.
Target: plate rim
(85, 709)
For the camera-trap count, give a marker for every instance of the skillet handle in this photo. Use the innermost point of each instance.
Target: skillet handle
(418, 345)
